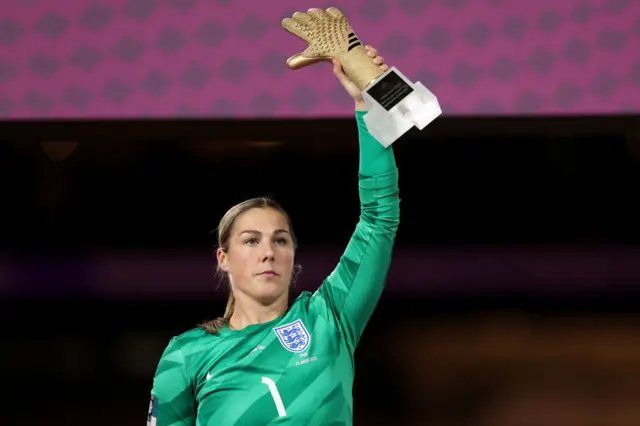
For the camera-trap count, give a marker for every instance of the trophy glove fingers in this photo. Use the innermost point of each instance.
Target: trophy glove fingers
(300, 61)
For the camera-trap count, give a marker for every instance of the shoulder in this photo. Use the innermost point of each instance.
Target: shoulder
(302, 302)
(303, 297)
(310, 303)
(188, 341)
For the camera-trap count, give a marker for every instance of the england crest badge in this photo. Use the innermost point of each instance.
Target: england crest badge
(293, 336)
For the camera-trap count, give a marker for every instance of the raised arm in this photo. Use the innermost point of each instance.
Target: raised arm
(353, 289)
(172, 400)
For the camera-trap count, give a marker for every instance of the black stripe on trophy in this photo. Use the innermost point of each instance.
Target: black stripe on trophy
(353, 41)
(354, 45)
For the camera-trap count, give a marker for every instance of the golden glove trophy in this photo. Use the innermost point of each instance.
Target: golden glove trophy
(395, 103)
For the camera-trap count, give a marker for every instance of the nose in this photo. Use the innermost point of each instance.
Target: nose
(268, 254)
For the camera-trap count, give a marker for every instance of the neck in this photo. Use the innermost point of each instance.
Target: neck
(249, 312)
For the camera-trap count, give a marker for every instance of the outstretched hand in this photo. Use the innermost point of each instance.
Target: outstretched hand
(349, 85)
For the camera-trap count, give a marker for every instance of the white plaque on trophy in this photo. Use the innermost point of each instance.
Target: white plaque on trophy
(396, 105)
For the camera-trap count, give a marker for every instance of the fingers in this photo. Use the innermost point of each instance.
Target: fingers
(378, 60)
(335, 13)
(300, 61)
(337, 67)
(316, 13)
(294, 27)
(301, 17)
(371, 52)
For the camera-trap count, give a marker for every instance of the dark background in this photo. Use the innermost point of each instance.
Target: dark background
(530, 353)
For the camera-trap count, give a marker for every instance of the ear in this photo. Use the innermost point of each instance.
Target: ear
(222, 260)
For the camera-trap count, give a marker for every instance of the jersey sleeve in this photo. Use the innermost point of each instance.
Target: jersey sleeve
(352, 291)
(172, 397)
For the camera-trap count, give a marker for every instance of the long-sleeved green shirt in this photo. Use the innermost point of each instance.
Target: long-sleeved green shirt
(297, 369)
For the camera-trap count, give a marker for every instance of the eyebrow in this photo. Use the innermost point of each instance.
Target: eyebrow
(253, 231)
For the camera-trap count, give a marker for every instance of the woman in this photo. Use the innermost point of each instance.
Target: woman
(268, 361)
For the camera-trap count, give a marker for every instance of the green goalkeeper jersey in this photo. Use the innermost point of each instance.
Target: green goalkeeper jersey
(297, 369)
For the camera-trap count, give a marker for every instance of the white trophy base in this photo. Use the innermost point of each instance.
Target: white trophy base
(418, 108)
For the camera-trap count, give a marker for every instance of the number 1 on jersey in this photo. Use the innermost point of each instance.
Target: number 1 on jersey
(275, 395)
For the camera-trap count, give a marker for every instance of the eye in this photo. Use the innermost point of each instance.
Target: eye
(251, 241)
(281, 241)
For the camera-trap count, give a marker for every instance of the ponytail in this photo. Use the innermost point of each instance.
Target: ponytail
(214, 326)
(231, 306)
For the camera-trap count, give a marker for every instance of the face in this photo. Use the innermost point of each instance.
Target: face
(260, 255)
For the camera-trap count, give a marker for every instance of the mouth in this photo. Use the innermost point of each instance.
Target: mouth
(269, 273)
